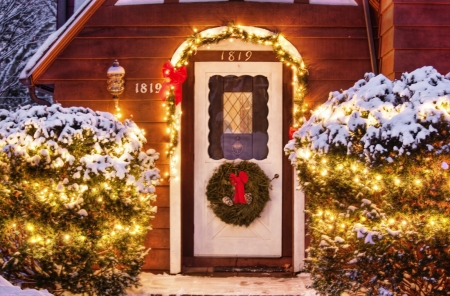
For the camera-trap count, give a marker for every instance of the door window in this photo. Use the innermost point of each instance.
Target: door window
(238, 113)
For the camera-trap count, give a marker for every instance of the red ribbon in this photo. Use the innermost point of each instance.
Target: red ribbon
(173, 78)
(239, 189)
(292, 130)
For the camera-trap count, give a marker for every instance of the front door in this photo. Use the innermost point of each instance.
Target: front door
(236, 89)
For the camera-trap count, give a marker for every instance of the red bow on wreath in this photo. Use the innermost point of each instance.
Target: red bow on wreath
(173, 78)
(239, 189)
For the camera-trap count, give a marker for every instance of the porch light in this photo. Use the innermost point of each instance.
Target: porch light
(116, 86)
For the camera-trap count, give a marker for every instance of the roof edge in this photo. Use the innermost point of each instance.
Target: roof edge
(57, 42)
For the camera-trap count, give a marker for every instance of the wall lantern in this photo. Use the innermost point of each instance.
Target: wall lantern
(116, 84)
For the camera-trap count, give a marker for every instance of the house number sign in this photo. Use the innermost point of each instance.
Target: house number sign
(236, 56)
(144, 88)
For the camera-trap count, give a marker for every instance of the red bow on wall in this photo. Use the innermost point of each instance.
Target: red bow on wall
(239, 189)
(292, 130)
(173, 78)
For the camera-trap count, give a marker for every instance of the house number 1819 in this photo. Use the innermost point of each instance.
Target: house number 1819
(142, 88)
(236, 55)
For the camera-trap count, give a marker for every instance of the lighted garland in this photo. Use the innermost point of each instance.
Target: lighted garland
(77, 192)
(237, 32)
(374, 163)
(220, 189)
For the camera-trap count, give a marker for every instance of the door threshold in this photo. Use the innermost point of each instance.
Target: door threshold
(243, 271)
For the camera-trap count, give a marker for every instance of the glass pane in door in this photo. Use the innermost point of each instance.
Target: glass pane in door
(238, 117)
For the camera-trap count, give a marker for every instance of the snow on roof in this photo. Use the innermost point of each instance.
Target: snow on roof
(54, 39)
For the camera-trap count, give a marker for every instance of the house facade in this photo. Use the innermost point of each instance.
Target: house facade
(335, 41)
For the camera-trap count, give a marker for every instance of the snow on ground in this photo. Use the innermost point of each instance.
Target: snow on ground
(7, 289)
(164, 284)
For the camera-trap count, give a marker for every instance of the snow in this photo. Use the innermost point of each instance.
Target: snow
(402, 114)
(7, 289)
(53, 39)
(78, 4)
(25, 26)
(164, 284)
(76, 123)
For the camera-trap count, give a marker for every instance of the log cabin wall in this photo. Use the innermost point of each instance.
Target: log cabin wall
(414, 34)
(331, 39)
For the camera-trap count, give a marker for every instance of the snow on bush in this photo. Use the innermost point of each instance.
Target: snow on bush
(7, 289)
(373, 161)
(380, 119)
(76, 198)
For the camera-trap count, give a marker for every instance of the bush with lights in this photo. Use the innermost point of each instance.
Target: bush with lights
(373, 161)
(76, 194)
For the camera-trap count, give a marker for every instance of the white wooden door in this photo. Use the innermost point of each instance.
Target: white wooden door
(212, 237)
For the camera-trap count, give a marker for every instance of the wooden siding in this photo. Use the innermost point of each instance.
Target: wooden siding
(414, 34)
(331, 39)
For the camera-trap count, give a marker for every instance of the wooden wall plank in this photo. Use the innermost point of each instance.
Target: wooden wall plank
(409, 60)
(150, 111)
(422, 13)
(325, 69)
(163, 196)
(423, 37)
(184, 31)
(318, 90)
(325, 76)
(158, 238)
(327, 48)
(157, 259)
(220, 13)
(112, 48)
(337, 69)
(161, 218)
(162, 47)
(95, 90)
(87, 69)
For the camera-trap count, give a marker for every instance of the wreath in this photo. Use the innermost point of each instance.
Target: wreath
(238, 192)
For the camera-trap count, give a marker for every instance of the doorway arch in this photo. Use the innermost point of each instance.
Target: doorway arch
(243, 38)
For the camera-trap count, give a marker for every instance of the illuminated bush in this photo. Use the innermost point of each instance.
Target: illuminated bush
(373, 161)
(76, 197)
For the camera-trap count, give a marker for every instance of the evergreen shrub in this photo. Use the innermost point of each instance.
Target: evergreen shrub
(76, 194)
(373, 161)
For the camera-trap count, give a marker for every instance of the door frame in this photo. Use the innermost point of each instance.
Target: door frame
(176, 183)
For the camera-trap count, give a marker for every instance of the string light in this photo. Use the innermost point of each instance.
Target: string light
(230, 33)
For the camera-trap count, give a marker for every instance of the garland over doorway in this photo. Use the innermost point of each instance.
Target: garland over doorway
(283, 49)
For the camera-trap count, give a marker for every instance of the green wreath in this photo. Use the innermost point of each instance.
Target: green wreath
(220, 192)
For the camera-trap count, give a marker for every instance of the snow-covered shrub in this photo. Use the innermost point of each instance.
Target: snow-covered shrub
(76, 193)
(373, 161)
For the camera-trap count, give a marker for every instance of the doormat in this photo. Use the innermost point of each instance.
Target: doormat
(255, 269)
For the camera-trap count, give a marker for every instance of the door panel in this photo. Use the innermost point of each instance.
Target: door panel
(212, 237)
